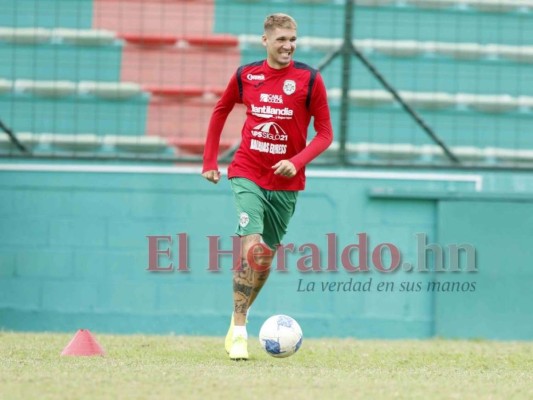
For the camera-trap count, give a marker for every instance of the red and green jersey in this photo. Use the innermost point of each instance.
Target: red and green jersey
(279, 106)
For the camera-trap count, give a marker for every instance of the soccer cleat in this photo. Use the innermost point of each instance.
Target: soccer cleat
(239, 349)
(229, 335)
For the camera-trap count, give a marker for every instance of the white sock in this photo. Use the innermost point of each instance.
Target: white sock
(240, 331)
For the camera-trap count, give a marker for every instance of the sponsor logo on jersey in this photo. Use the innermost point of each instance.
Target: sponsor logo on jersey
(272, 112)
(269, 130)
(289, 86)
(271, 98)
(252, 77)
(270, 148)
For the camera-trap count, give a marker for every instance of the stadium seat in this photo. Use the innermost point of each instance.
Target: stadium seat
(399, 48)
(24, 35)
(5, 85)
(138, 144)
(399, 151)
(84, 37)
(316, 43)
(371, 98)
(434, 4)
(374, 3)
(519, 54)
(110, 90)
(196, 145)
(525, 103)
(522, 155)
(429, 152)
(467, 153)
(494, 104)
(70, 142)
(491, 6)
(184, 91)
(465, 51)
(495, 154)
(45, 88)
(26, 138)
(431, 101)
(494, 6)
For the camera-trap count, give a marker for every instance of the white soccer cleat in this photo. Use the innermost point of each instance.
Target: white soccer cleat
(229, 336)
(239, 349)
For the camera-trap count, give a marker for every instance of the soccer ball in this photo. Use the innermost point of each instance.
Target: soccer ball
(280, 336)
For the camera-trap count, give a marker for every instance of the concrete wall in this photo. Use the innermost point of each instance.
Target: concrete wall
(74, 252)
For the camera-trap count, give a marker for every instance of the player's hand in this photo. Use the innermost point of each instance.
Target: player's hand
(212, 176)
(284, 168)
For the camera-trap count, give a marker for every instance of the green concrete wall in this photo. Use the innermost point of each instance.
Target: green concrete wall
(74, 253)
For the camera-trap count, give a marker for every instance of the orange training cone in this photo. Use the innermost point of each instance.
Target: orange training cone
(83, 344)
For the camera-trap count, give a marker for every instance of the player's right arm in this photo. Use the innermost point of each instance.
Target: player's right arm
(212, 175)
(218, 118)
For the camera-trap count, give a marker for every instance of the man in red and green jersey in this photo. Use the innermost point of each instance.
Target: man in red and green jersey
(280, 95)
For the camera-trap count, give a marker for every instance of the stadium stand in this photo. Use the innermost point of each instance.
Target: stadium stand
(155, 68)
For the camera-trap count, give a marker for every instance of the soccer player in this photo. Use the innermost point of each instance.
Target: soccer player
(268, 169)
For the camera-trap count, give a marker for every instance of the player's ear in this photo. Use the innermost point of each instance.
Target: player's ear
(264, 40)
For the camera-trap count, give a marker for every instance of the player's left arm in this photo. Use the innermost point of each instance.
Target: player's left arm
(319, 109)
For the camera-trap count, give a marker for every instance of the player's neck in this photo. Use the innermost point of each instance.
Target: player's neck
(277, 66)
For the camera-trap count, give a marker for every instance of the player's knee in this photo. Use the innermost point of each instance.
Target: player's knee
(259, 256)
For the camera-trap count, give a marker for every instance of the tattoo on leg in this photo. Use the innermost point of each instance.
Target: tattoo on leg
(242, 288)
(247, 281)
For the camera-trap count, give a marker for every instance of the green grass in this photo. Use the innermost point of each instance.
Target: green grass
(176, 367)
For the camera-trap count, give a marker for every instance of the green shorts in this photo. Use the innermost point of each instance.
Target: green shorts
(262, 211)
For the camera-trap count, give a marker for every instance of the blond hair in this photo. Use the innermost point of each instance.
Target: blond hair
(279, 20)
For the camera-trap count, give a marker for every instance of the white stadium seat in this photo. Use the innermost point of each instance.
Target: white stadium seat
(110, 90)
(370, 98)
(525, 103)
(25, 35)
(494, 104)
(320, 44)
(469, 153)
(374, 3)
(463, 51)
(135, 143)
(73, 142)
(45, 88)
(432, 4)
(26, 138)
(398, 48)
(84, 37)
(429, 100)
(5, 85)
(495, 5)
(522, 54)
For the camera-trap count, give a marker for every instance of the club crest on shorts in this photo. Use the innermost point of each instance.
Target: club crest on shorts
(243, 219)
(289, 86)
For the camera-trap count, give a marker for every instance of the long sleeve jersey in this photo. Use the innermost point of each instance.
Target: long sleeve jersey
(279, 106)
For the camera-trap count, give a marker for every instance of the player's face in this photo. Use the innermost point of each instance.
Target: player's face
(280, 45)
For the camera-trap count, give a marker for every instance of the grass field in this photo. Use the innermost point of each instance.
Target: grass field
(176, 367)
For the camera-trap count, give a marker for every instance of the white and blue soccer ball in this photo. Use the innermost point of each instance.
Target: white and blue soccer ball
(280, 336)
